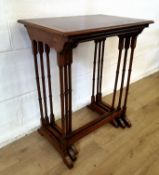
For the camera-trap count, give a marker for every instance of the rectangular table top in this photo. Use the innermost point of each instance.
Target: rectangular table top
(83, 24)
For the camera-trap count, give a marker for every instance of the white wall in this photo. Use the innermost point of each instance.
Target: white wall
(19, 112)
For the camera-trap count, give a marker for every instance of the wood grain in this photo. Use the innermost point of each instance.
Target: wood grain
(75, 25)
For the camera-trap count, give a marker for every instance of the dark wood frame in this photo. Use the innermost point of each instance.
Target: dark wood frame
(42, 39)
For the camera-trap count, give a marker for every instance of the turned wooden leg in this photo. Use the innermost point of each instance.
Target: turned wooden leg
(35, 51)
(56, 136)
(64, 62)
(66, 101)
(47, 51)
(100, 70)
(97, 66)
(63, 122)
(94, 73)
(43, 103)
(41, 50)
(127, 43)
(124, 42)
(126, 46)
(96, 99)
(97, 75)
(133, 45)
(39, 47)
(120, 47)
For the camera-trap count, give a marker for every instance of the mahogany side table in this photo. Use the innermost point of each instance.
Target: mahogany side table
(64, 34)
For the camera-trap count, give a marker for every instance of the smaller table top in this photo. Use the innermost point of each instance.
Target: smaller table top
(83, 24)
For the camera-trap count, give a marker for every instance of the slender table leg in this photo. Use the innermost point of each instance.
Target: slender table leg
(41, 50)
(133, 45)
(124, 42)
(64, 63)
(52, 118)
(120, 47)
(56, 136)
(35, 51)
(100, 70)
(94, 73)
(98, 74)
(127, 43)
(99, 102)
(126, 46)
(39, 47)
(96, 100)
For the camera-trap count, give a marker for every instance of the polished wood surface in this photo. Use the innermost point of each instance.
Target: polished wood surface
(64, 34)
(84, 24)
(106, 151)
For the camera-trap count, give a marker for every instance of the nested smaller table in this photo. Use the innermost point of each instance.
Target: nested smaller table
(64, 34)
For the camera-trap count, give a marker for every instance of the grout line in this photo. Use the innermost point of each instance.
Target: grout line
(15, 50)
(9, 31)
(15, 97)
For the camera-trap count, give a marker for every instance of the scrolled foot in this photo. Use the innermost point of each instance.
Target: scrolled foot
(126, 121)
(68, 161)
(74, 149)
(72, 154)
(115, 123)
(40, 131)
(121, 123)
